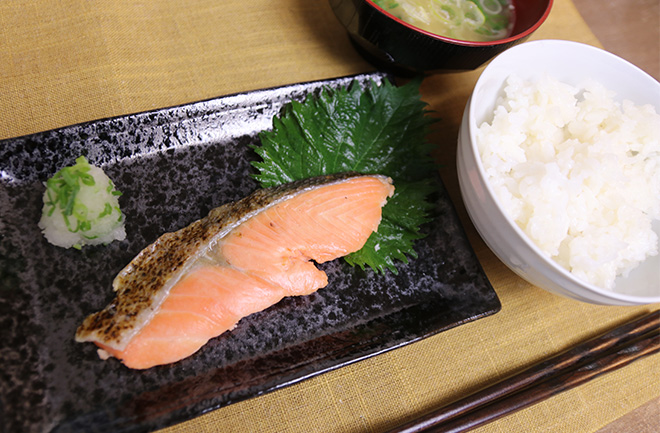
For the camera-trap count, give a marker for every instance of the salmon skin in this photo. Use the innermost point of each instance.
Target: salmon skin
(194, 284)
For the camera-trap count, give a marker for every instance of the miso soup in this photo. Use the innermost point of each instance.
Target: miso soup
(468, 20)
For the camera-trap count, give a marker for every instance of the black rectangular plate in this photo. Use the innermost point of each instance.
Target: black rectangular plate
(174, 165)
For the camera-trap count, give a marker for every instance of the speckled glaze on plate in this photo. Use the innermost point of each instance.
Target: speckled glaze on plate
(173, 166)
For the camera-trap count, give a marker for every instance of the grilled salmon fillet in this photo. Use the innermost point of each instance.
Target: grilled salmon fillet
(196, 283)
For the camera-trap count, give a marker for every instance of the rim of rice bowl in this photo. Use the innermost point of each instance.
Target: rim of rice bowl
(512, 62)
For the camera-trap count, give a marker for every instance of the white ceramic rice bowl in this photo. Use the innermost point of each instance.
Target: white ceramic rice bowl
(572, 63)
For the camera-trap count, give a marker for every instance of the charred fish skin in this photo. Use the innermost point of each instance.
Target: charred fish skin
(145, 282)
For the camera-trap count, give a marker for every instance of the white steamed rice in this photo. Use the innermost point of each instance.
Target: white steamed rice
(579, 173)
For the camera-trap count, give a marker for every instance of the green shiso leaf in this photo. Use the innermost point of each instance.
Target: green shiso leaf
(378, 129)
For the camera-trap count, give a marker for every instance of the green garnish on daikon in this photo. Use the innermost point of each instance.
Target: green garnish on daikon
(81, 207)
(378, 130)
(62, 191)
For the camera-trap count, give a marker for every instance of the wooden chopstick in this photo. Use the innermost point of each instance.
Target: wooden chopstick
(575, 366)
(570, 379)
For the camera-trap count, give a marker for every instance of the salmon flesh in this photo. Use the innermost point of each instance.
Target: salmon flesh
(196, 283)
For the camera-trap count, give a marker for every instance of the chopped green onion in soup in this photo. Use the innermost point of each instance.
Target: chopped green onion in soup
(469, 20)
